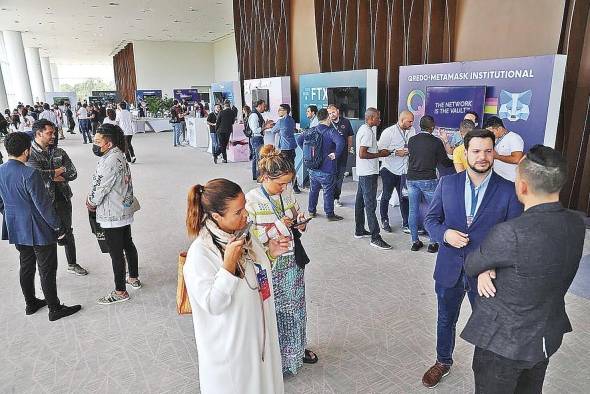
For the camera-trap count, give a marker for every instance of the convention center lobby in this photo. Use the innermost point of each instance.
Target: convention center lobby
(122, 124)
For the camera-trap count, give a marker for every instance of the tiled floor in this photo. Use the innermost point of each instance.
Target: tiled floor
(371, 314)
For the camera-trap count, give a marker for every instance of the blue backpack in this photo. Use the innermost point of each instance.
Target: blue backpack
(312, 148)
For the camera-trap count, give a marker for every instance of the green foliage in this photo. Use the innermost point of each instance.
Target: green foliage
(85, 88)
(158, 106)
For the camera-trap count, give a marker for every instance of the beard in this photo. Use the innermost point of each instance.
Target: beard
(480, 170)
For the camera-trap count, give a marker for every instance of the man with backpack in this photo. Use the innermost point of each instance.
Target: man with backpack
(255, 127)
(321, 146)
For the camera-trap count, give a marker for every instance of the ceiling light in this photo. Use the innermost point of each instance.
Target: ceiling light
(107, 17)
(175, 21)
(112, 3)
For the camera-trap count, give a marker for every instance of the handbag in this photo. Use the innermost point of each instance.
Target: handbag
(135, 206)
(301, 258)
(183, 306)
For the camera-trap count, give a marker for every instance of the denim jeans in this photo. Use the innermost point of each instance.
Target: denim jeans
(417, 190)
(257, 142)
(177, 130)
(321, 180)
(214, 143)
(366, 202)
(84, 125)
(392, 181)
(341, 163)
(449, 305)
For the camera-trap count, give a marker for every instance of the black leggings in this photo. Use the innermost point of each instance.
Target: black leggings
(119, 240)
(129, 153)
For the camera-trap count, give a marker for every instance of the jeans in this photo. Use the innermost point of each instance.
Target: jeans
(177, 130)
(214, 143)
(290, 155)
(321, 180)
(63, 208)
(495, 374)
(85, 130)
(449, 305)
(44, 256)
(366, 202)
(392, 181)
(257, 143)
(129, 153)
(417, 190)
(119, 240)
(341, 163)
(223, 142)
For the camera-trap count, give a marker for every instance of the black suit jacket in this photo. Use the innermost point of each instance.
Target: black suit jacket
(225, 121)
(536, 257)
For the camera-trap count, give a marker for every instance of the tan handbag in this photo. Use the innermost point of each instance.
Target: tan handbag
(183, 306)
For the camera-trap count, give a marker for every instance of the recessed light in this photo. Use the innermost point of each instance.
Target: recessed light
(138, 19)
(107, 17)
(175, 21)
(16, 22)
(112, 3)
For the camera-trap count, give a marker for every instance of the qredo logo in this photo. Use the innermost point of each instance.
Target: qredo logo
(416, 102)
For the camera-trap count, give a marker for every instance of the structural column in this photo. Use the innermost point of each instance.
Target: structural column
(35, 74)
(3, 76)
(15, 52)
(46, 71)
(54, 76)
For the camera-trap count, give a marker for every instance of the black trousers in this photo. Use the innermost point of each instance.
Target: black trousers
(223, 141)
(45, 257)
(341, 163)
(495, 374)
(63, 208)
(290, 155)
(120, 241)
(129, 152)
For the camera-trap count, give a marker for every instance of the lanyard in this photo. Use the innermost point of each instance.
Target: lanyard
(278, 214)
(474, 198)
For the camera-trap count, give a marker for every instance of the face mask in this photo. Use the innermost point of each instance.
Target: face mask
(96, 150)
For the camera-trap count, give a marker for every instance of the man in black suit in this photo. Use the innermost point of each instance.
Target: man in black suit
(525, 267)
(224, 127)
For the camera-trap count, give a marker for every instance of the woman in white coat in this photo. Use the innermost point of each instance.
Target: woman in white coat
(229, 283)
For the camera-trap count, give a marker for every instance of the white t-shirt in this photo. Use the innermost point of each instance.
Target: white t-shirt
(82, 113)
(366, 136)
(108, 120)
(124, 121)
(511, 142)
(393, 138)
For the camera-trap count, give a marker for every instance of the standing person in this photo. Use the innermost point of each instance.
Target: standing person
(30, 223)
(323, 177)
(48, 114)
(285, 128)
(3, 126)
(223, 129)
(426, 152)
(176, 126)
(464, 209)
(367, 167)
(56, 170)
(525, 267)
(459, 155)
(70, 118)
(93, 115)
(15, 124)
(84, 123)
(509, 148)
(111, 196)
(273, 210)
(126, 124)
(344, 128)
(111, 117)
(231, 294)
(211, 121)
(246, 111)
(257, 126)
(26, 122)
(60, 120)
(311, 113)
(395, 167)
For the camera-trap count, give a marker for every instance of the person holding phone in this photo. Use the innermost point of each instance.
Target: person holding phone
(227, 276)
(273, 210)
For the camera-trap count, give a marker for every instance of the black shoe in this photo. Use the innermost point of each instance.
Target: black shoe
(133, 159)
(334, 218)
(379, 243)
(215, 159)
(433, 248)
(364, 234)
(35, 306)
(313, 214)
(386, 226)
(63, 311)
(416, 246)
(225, 161)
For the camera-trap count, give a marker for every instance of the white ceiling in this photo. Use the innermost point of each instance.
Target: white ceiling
(87, 31)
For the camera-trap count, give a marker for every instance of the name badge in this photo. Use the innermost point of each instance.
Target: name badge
(263, 285)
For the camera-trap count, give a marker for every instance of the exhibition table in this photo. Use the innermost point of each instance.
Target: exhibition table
(197, 132)
(157, 124)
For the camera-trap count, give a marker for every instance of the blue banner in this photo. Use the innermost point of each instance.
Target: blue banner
(141, 95)
(190, 95)
(449, 104)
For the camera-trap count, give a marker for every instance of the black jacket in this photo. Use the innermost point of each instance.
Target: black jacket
(536, 257)
(46, 162)
(426, 152)
(225, 121)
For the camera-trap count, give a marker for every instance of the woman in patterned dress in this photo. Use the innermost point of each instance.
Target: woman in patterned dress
(273, 210)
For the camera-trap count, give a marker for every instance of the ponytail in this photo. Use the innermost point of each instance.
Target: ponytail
(202, 201)
(273, 163)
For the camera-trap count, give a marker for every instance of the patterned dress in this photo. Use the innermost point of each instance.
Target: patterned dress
(287, 277)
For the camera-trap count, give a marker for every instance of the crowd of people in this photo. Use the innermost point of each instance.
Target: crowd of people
(502, 237)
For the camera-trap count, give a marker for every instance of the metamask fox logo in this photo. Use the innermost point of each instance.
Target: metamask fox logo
(515, 106)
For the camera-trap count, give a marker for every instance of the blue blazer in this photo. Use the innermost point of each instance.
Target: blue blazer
(447, 211)
(28, 214)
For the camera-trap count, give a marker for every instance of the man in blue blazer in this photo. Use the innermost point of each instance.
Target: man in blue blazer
(30, 223)
(464, 209)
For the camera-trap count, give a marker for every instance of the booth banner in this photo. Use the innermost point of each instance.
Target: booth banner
(524, 92)
(274, 91)
(228, 90)
(141, 95)
(190, 95)
(107, 95)
(58, 97)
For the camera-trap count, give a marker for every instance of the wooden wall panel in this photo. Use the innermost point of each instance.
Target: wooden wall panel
(262, 37)
(124, 69)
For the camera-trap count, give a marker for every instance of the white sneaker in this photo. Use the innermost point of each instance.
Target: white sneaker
(337, 203)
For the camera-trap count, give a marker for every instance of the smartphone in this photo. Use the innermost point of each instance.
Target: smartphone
(297, 224)
(243, 232)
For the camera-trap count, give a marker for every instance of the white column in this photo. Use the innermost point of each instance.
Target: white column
(3, 76)
(54, 76)
(35, 73)
(15, 52)
(47, 78)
